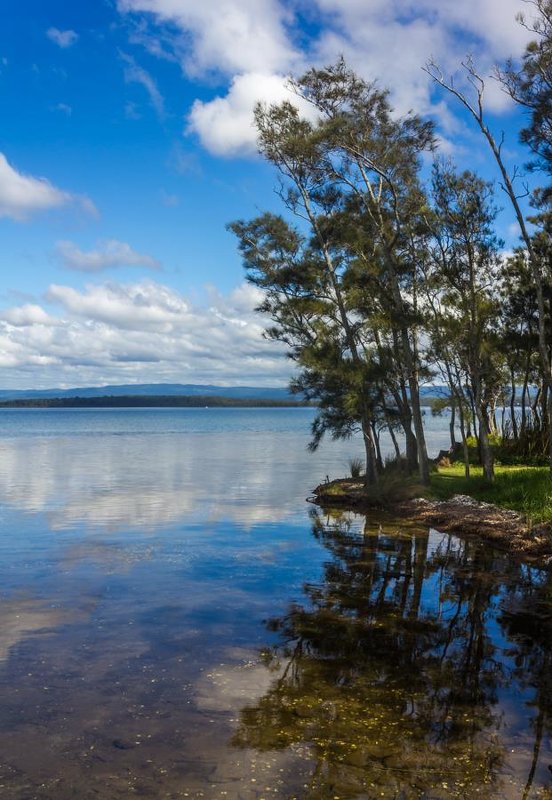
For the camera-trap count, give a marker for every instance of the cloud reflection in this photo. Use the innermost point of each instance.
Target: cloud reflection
(23, 618)
(144, 481)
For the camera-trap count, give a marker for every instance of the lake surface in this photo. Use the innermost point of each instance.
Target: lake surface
(176, 621)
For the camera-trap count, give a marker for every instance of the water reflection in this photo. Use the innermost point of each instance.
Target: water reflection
(119, 482)
(133, 656)
(416, 669)
(143, 468)
(20, 619)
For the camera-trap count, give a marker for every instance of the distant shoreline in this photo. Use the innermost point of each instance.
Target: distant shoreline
(153, 401)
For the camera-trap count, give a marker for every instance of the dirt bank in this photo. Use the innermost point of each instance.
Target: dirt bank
(462, 515)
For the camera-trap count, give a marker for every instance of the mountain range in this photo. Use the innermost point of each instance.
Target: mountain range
(176, 389)
(152, 389)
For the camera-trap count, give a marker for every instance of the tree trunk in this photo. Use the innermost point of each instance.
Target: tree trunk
(465, 448)
(535, 407)
(395, 443)
(423, 460)
(371, 474)
(452, 426)
(524, 399)
(487, 460)
(513, 420)
(376, 440)
(474, 417)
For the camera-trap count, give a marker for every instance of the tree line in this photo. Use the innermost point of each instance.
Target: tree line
(152, 401)
(383, 273)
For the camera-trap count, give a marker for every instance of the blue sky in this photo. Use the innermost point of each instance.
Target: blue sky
(126, 145)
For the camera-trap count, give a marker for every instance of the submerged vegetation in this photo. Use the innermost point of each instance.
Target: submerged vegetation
(390, 675)
(381, 277)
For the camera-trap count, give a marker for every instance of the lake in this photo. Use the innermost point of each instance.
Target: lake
(176, 621)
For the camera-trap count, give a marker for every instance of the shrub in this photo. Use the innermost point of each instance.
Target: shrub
(394, 464)
(355, 467)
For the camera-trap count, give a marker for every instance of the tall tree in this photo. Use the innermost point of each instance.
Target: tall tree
(374, 159)
(351, 177)
(530, 85)
(476, 108)
(466, 270)
(302, 279)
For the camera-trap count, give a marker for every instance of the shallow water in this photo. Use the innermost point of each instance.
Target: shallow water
(176, 621)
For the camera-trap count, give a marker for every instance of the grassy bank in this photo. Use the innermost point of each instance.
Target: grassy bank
(518, 517)
(527, 490)
(524, 489)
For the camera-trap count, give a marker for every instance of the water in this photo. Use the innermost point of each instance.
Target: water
(176, 621)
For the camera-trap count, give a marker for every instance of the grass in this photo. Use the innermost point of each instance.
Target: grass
(524, 489)
(356, 466)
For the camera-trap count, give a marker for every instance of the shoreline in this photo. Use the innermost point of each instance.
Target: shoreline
(461, 515)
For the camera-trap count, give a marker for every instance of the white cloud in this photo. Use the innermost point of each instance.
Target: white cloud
(231, 37)
(22, 195)
(253, 43)
(28, 314)
(63, 39)
(107, 255)
(129, 307)
(392, 41)
(225, 125)
(136, 74)
(143, 331)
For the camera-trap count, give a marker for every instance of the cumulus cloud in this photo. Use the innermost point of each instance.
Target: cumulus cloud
(130, 307)
(107, 255)
(142, 331)
(26, 315)
(63, 39)
(236, 36)
(23, 195)
(253, 43)
(225, 125)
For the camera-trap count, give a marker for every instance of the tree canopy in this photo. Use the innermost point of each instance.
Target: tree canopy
(379, 277)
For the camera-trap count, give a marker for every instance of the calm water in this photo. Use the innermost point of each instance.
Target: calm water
(176, 621)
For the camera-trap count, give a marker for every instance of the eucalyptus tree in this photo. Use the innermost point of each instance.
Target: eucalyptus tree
(350, 177)
(301, 276)
(375, 158)
(466, 270)
(530, 86)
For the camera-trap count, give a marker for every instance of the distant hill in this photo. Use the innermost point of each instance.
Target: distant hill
(153, 390)
(188, 390)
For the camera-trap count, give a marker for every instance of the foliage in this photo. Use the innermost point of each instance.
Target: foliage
(377, 280)
(355, 467)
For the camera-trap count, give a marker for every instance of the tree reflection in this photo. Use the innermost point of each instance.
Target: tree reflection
(387, 676)
(527, 619)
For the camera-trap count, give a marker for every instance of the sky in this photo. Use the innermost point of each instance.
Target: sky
(127, 145)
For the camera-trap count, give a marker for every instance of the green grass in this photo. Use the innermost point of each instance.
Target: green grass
(524, 489)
